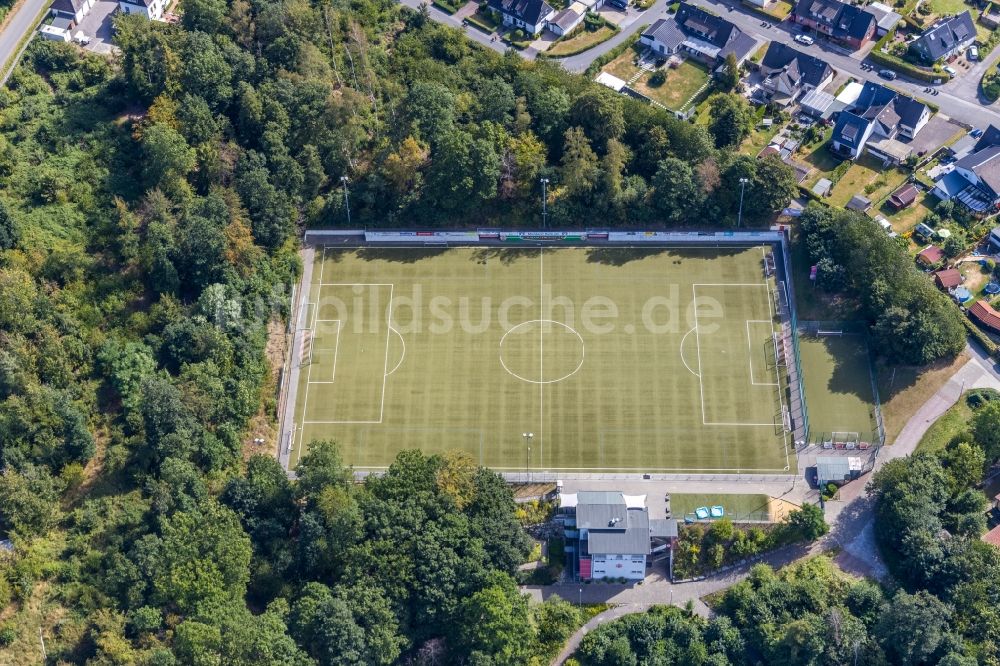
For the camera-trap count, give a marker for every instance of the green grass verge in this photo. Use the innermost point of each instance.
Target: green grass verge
(583, 41)
(952, 423)
(739, 506)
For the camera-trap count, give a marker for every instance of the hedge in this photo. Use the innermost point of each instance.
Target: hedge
(980, 337)
(567, 54)
(446, 6)
(913, 71)
(475, 22)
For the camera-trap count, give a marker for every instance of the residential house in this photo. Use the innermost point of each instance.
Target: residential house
(948, 279)
(904, 196)
(878, 123)
(842, 22)
(986, 315)
(611, 534)
(787, 72)
(975, 181)
(994, 239)
(530, 16)
(946, 38)
(700, 35)
(568, 19)
(73, 10)
(990, 16)
(992, 537)
(151, 9)
(930, 255)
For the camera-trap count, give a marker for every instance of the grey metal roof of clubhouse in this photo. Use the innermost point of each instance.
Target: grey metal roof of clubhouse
(633, 540)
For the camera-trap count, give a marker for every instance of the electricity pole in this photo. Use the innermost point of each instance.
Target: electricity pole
(528, 436)
(545, 210)
(347, 201)
(743, 185)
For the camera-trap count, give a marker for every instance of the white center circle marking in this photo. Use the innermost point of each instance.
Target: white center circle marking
(543, 380)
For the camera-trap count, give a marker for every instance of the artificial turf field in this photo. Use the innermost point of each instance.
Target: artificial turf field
(593, 350)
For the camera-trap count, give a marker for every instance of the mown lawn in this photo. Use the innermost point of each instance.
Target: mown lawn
(681, 84)
(862, 174)
(581, 42)
(623, 66)
(903, 389)
(903, 221)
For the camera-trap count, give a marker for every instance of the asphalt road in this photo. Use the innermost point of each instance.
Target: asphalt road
(18, 25)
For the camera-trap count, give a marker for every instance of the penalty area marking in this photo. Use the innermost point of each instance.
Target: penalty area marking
(403, 355)
(754, 382)
(683, 360)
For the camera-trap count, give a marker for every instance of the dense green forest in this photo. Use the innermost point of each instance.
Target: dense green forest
(910, 320)
(149, 206)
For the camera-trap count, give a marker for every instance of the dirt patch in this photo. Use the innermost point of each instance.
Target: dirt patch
(531, 490)
(974, 278)
(779, 508)
(264, 424)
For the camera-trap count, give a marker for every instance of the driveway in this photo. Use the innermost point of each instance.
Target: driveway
(966, 85)
(97, 26)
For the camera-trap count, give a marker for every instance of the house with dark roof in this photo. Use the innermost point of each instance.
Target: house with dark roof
(994, 239)
(842, 22)
(947, 37)
(610, 534)
(986, 315)
(948, 279)
(528, 15)
(975, 180)
(879, 123)
(74, 10)
(904, 196)
(787, 72)
(700, 35)
(151, 9)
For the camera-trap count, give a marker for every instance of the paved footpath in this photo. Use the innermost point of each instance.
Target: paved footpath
(851, 519)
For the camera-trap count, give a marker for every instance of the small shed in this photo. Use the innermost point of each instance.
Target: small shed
(822, 187)
(931, 255)
(904, 196)
(859, 203)
(948, 279)
(837, 469)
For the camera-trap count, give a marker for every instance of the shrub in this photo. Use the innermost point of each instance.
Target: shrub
(979, 397)
(658, 78)
(7, 633)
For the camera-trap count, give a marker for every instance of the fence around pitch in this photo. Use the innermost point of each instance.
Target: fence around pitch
(820, 328)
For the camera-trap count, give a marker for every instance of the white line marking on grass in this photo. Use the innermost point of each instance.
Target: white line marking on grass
(697, 338)
(750, 352)
(541, 360)
(385, 366)
(400, 336)
(683, 360)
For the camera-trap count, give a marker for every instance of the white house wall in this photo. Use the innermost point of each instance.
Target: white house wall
(632, 567)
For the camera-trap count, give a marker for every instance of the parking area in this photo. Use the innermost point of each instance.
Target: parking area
(97, 26)
(937, 132)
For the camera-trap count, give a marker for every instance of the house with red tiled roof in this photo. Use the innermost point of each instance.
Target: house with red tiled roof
(948, 279)
(992, 537)
(986, 315)
(931, 255)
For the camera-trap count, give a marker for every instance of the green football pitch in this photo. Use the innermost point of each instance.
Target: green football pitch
(638, 360)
